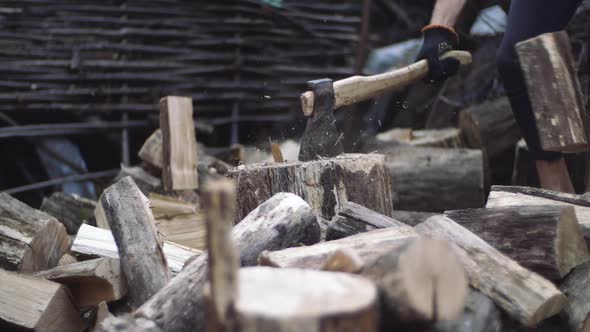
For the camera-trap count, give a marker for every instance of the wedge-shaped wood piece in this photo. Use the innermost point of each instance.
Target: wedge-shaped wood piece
(151, 150)
(544, 239)
(34, 304)
(179, 144)
(576, 286)
(524, 295)
(353, 218)
(178, 221)
(140, 248)
(554, 91)
(91, 282)
(71, 210)
(96, 242)
(513, 195)
(30, 240)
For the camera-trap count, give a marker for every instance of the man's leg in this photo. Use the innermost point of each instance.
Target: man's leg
(528, 19)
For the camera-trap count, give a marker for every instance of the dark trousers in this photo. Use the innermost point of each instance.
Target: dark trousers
(528, 19)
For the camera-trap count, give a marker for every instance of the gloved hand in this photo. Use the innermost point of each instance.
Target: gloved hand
(439, 39)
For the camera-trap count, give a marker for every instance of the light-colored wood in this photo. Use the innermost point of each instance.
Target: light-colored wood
(33, 304)
(322, 183)
(90, 282)
(99, 216)
(178, 221)
(544, 239)
(283, 221)
(179, 144)
(151, 150)
(353, 218)
(96, 242)
(70, 210)
(277, 154)
(524, 295)
(66, 259)
(344, 260)
(218, 199)
(554, 90)
(282, 300)
(30, 240)
(102, 314)
(501, 196)
(576, 286)
(436, 138)
(354, 89)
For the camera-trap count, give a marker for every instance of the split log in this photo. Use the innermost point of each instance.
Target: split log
(70, 210)
(32, 304)
(554, 90)
(353, 218)
(179, 144)
(545, 239)
(524, 295)
(301, 300)
(411, 218)
(490, 126)
(140, 249)
(512, 195)
(480, 315)
(576, 286)
(179, 306)
(178, 221)
(436, 138)
(30, 240)
(151, 150)
(344, 260)
(436, 179)
(146, 182)
(90, 282)
(322, 183)
(96, 242)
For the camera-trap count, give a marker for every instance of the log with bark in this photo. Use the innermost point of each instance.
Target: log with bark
(524, 295)
(140, 247)
(411, 218)
(70, 210)
(30, 240)
(90, 282)
(576, 286)
(436, 138)
(34, 304)
(524, 172)
(358, 178)
(545, 239)
(513, 195)
(480, 315)
(490, 126)
(554, 90)
(283, 221)
(179, 144)
(353, 218)
(436, 179)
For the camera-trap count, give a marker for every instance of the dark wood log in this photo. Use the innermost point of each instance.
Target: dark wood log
(33, 304)
(90, 282)
(490, 126)
(479, 315)
(524, 172)
(436, 179)
(180, 304)
(179, 144)
(576, 286)
(555, 93)
(353, 218)
(31, 240)
(411, 218)
(358, 178)
(140, 248)
(524, 295)
(501, 196)
(70, 210)
(545, 239)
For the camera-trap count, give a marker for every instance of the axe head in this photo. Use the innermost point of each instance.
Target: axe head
(321, 138)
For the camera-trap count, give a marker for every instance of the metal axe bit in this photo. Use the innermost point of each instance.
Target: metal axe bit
(321, 138)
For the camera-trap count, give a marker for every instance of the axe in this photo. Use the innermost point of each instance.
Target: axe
(321, 138)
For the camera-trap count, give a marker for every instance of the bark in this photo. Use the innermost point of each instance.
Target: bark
(576, 286)
(480, 315)
(353, 218)
(70, 210)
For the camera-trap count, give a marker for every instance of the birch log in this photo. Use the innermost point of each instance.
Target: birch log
(524, 295)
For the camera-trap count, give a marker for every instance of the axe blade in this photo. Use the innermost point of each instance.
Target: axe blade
(321, 138)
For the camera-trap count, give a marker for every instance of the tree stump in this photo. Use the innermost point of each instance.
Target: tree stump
(70, 210)
(545, 239)
(554, 91)
(524, 295)
(358, 178)
(31, 240)
(436, 179)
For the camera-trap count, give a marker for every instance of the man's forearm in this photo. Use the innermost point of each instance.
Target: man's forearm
(446, 12)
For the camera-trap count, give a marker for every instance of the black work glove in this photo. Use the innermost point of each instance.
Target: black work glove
(438, 40)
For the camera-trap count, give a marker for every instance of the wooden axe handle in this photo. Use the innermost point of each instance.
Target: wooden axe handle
(358, 88)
